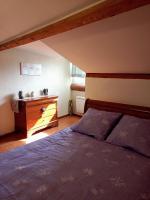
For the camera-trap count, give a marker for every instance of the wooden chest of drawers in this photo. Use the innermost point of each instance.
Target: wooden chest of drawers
(36, 114)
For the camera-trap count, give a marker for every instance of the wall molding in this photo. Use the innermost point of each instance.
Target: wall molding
(119, 75)
(101, 10)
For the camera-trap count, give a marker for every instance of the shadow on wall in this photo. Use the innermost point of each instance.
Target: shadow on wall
(6, 115)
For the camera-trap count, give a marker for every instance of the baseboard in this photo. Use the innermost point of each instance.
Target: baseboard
(77, 115)
(63, 116)
(7, 135)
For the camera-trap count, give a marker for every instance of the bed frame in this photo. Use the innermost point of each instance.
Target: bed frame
(138, 111)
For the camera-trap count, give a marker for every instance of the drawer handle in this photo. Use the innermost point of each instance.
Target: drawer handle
(43, 109)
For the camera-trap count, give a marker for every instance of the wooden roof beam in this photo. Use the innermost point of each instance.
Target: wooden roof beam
(97, 12)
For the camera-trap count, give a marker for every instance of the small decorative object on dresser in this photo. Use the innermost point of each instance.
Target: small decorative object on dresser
(45, 91)
(36, 114)
(20, 94)
(32, 94)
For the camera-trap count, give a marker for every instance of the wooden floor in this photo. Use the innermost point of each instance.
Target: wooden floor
(11, 141)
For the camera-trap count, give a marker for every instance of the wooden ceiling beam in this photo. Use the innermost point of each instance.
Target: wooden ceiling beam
(119, 75)
(102, 10)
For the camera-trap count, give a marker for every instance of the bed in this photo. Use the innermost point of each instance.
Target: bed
(72, 165)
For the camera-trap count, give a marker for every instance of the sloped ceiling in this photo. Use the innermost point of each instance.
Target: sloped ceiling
(40, 48)
(118, 44)
(22, 16)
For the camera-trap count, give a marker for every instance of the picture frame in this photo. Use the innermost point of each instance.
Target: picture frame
(30, 69)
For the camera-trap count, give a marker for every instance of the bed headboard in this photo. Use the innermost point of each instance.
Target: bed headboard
(138, 111)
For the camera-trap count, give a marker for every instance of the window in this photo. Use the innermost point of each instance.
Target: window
(77, 72)
(77, 75)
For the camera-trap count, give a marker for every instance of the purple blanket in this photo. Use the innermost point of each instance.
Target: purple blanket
(73, 166)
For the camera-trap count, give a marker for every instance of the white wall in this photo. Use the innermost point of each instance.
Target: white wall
(55, 76)
(131, 91)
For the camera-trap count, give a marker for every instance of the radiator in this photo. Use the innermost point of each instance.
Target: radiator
(80, 101)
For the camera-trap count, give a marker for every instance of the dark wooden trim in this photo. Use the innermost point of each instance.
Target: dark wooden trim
(118, 75)
(6, 136)
(139, 111)
(77, 87)
(97, 12)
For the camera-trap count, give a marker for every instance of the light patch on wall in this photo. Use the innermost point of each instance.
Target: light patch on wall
(30, 69)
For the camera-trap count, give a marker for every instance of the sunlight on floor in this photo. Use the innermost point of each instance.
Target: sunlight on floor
(34, 137)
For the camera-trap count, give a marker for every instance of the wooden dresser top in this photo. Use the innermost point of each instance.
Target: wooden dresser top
(30, 99)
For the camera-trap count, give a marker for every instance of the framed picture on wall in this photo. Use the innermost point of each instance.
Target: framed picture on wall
(30, 69)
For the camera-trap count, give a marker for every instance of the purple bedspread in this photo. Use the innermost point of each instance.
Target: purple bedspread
(73, 166)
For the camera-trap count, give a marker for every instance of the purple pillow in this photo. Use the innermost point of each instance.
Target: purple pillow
(132, 132)
(96, 123)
